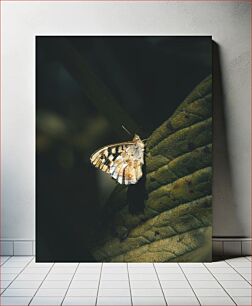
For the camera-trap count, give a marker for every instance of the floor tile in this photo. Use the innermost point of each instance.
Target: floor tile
(8, 276)
(140, 300)
(10, 270)
(51, 292)
(221, 300)
(194, 270)
(55, 284)
(164, 270)
(3, 259)
(248, 277)
(120, 269)
(234, 284)
(19, 292)
(172, 276)
(144, 284)
(229, 276)
(143, 270)
(79, 301)
(166, 264)
(220, 270)
(180, 300)
(114, 284)
(84, 276)
(209, 292)
(117, 276)
(146, 292)
(21, 258)
(114, 292)
(84, 284)
(204, 284)
(140, 264)
(5, 283)
(96, 264)
(14, 264)
(241, 264)
(239, 291)
(243, 270)
(114, 264)
(175, 284)
(36, 271)
(236, 259)
(82, 292)
(14, 300)
(40, 265)
(30, 276)
(58, 277)
(61, 270)
(103, 300)
(64, 265)
(25, 284)
(88, 270)
(191, 264)
(217, 264)
(178, 292)
(243, 300)
(200, 276)
(47, 300)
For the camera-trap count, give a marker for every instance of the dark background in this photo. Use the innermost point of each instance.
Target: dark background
(86, 88)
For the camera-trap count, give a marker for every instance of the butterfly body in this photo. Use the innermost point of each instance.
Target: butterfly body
(122, 161)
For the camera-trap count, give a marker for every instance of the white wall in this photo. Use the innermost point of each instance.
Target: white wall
(227, 22)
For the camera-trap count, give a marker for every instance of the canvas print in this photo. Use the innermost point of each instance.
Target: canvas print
(123, 148)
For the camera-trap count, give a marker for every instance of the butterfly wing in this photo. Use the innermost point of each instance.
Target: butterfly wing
(122, 161)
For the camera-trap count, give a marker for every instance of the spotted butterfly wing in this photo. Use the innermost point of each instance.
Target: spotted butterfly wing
(123, 161)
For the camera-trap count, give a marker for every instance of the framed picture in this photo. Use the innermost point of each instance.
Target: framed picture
(123, 148)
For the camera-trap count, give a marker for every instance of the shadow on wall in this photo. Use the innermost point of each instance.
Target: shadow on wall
(226, 220)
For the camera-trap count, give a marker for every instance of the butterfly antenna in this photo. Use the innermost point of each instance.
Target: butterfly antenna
(126, 130)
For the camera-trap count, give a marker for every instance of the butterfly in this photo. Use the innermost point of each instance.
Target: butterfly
(122, 161)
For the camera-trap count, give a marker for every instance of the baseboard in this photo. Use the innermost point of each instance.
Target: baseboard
(223, 247)
(17, 247)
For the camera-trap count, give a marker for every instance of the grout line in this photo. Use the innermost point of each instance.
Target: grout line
(160, 283)
(15, 278)
(1, 266)
(70, 283)
(41, 282)
(131, 299)
(189, 283)
(220, 283)
(247, 258)
(98, 285)
(9, 257)
(238, 272)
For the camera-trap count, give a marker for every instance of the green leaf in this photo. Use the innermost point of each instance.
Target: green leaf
(176, 223)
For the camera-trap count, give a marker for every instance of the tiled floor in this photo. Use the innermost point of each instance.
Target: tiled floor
(24, 282)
